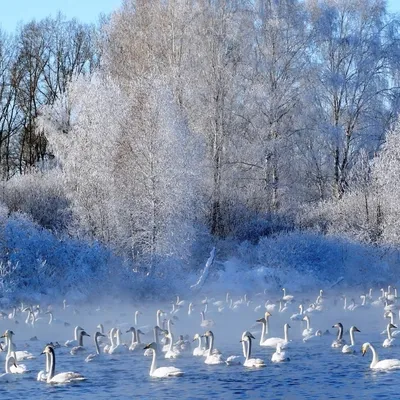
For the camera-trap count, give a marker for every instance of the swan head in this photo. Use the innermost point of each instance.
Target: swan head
(196, 337)
(139, 331)
(247, 336)
(151, 345)
(306, 318)
(364, 348)
(8, 333)
(208, 334)
(391, 326)
(131, 329)
(48, 350)
(267, 314)
(286, 326)
(97, 334)
(354, 329)
(339, 325)
(83, 333)
(262, 320)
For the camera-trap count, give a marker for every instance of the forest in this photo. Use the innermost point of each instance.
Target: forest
(131, 147)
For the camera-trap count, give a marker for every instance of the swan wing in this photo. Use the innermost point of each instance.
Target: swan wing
(391, 363)
(19, 369)
(164, 372)
(67, 377)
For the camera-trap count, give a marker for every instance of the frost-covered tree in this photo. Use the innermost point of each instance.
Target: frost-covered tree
(350, 82)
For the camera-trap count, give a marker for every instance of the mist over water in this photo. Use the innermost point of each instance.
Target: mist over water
(315, 370)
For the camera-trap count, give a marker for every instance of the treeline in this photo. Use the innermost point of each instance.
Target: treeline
(177, 122)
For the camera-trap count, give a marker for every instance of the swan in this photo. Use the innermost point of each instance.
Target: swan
(206, 323)
(270, 307)
(273, 341)
(298, 316)
(162, 372)
(20, 354)
(250, 362)
(389, 341)
(279, 355)
(95, 356)
(42, 375)
(318, 334)
(136, 344)
(339, 341)
(199, 350)
(80, 347)
(308, 331)
(171, 352)
(265, 328)
(63, 377)
(107, 347)
(390, 363)
(350, 348)
(74, 341)
(183, 344)
(212, 358)
(286, 297)
(156, 331)
(8, 376)
(119, 347)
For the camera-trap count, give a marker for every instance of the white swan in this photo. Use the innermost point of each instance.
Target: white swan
(265, 328)
(273, 341)
(63, 377)
(199, 350)
(298, 316)
(339, 341)
(206, 323)
(8, 376)
(286, 297)
(251, 362)
(74, 341)
(162, 372)
(350, 348)
(42, 375)
(97, 355)
(308, 331)
(119, 347)
(279, 355)
(156, 331)
(136, 344)
(389, 341)
(390, 363)
(171, 352)
(212, 358)
(79, 348)
(20, 354)
(107, 347)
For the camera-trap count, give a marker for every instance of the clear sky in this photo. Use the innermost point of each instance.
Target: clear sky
(14, 11)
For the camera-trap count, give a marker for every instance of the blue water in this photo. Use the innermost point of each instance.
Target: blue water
(315, 370)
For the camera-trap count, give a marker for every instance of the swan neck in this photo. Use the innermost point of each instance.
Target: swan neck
(375, 358)
(52, 365)
(153, 362)
(171, 341)
(389, 332)
(96, 344)
(352, 337)
(340, 333)
(308, 323)
(155, 337)
(248, 355)
(76, 333)
(262, 338)
(211, 345)
(80, 341)
(286, 332)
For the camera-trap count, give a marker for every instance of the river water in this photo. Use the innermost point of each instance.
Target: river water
(315, 370)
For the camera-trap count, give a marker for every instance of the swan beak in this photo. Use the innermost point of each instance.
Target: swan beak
(146, 347)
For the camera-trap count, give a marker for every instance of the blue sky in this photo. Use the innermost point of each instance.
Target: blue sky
(15, 11)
